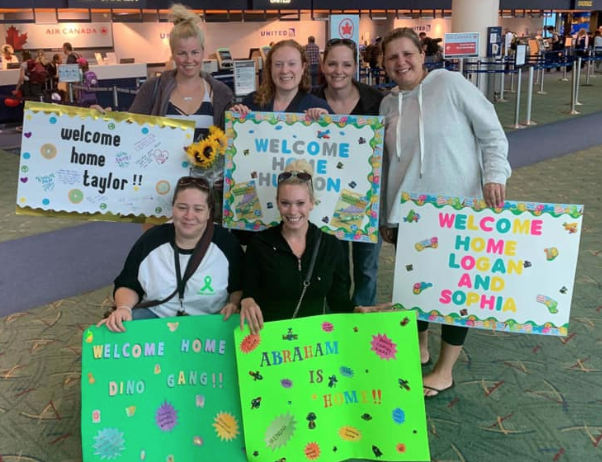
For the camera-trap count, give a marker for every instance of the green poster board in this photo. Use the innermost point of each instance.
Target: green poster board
(166, 390)
(333, 387)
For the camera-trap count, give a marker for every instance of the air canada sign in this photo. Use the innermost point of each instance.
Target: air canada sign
(44, 36)
(75, 30)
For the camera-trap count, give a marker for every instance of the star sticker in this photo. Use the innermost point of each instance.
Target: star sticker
(28, 117)
(136, 188)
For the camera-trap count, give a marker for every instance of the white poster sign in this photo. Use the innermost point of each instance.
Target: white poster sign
(346, 153)
(244, 77)
(510, 269)
(119, 164)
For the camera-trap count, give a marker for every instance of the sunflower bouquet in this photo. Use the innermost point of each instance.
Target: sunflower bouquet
(204, 152)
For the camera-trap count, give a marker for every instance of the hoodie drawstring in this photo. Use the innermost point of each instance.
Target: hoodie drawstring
(420, 127)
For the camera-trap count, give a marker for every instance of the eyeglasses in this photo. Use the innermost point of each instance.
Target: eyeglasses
(341, 41)
(303, 176)
(200, 183)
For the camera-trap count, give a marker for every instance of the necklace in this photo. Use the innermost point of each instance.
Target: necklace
(190, 98)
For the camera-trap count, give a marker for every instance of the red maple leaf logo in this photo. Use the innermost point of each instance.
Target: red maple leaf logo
(15, 39)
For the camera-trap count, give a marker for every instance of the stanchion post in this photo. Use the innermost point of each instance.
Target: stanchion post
(541, 92)
(539, 60)
(503, 81)
(512, 83)
(589, 68)
(578, 64)
(115, 97)
(574, 87)
(516, 125)
(70, 91)
(528, 120)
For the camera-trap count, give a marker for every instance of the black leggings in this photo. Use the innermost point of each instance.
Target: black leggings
(454, 335)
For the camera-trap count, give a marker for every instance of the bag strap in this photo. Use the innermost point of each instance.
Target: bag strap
(307, 280)
(195, 260)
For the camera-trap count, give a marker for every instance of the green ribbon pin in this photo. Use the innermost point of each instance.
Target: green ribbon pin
(207, 287)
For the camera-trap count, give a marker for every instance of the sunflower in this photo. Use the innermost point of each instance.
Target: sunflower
(203, 153)
(218, 135)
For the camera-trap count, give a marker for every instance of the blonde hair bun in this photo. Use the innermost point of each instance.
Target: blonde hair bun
(300, 165)
(179, 14)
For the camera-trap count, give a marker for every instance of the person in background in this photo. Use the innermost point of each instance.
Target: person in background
(467, 157)
(86, 96)
(8, 56)
(24, 86)
(598, 47)
(278, 259)
(285, 85)
(372, 57)
(53, 71)
(431, 50)
(345, 95)
(556, 46)
(313, 58)
(581, 44)
(41, 58)
(155, 269)
(71, 56)
(187, 92)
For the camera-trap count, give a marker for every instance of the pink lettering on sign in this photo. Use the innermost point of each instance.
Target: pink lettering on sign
(384, 347)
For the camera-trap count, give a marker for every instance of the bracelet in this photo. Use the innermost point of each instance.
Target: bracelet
(124, 307)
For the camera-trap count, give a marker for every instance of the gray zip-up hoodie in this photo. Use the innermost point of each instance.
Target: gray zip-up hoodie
(443, 137)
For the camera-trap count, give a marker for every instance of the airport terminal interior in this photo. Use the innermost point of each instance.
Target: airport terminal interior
(517, 396)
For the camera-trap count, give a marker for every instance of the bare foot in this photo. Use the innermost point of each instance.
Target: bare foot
(435, 383)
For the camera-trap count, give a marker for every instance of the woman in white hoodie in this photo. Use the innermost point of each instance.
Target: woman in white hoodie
(442, 137)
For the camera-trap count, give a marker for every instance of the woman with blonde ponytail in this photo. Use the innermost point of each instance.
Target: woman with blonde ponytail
(186, 92)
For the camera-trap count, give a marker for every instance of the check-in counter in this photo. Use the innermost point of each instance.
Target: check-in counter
(104, 73)
(119, 71)
(9, 77)
(109, 75)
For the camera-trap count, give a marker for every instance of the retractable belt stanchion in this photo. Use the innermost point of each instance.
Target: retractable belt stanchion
(528, 120)
(516, 125)
(539, 60)
(543, 73)
(503, 83)
(574, 87)
(589, 69)
(70, 91)
(512, 83)
(578, 64)
(115, 97)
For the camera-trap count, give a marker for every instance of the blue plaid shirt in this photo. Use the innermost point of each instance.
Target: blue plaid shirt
(313, 53)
